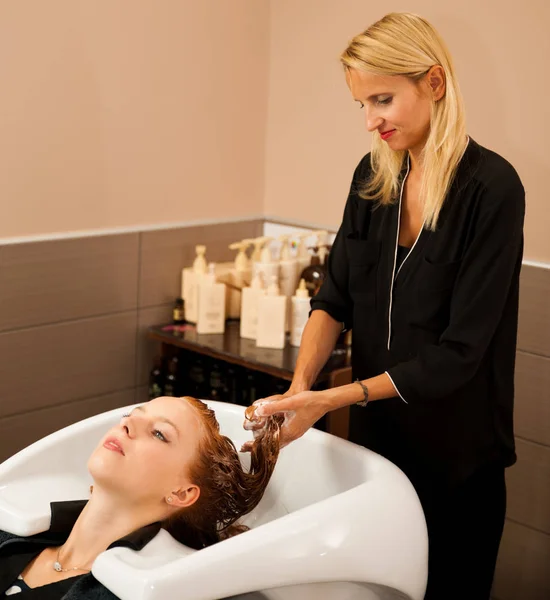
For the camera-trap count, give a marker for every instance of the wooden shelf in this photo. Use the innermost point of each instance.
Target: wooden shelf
(231, 348)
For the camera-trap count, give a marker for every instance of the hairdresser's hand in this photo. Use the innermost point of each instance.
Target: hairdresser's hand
(251, 420)
(254, 423)
(301, 411)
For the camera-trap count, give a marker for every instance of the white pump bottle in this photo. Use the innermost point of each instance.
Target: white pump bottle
(301, 305)
(272, 312)
(238, 278)
(191, 277)
(211, 317)
(249, 307)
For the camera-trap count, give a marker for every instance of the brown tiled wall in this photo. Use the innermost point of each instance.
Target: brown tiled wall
(73, 316)
(523, 569)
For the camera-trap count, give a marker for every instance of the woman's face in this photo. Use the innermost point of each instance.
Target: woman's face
(146, 457)
(395, 106)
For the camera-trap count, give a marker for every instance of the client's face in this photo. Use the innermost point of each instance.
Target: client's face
(146, 457)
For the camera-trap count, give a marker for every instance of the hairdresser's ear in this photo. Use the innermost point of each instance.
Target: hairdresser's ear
(184, 497)
(435, 78)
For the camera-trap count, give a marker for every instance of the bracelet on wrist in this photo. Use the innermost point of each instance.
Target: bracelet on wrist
(365, 389)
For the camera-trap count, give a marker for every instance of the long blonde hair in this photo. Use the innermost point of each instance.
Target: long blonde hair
(406, 44)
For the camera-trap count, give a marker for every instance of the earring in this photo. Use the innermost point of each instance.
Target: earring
(169, 499)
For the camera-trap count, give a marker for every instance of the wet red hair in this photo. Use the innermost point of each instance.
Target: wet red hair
(227, 491)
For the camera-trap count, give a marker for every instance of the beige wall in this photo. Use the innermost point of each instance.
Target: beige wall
(133, 112)
(316, 133)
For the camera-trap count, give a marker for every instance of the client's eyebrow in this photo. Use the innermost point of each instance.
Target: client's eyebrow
(163, 419)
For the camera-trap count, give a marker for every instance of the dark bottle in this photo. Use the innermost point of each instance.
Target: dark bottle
(216, 383)
(247, 388)
(232, 386)
(171, 379)
(252, 387)
(178, 313)
(155, 380)
(197, 379)
(315, 274)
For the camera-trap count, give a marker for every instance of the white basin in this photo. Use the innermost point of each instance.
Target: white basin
(337, 522)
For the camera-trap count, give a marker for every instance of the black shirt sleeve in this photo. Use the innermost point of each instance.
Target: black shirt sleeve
(333, 297)
(481, 290)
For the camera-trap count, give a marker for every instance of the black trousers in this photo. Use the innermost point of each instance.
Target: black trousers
(465, 526)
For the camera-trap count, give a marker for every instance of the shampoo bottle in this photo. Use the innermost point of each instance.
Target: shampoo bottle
(315, 274)
(272, 318)
(211, 317)
(239, 278)
(288, 268)
(257, 243)
(265, 264)
(249, 307)
(322, 244)
(303, 256)
(301, 306)
(190, 285)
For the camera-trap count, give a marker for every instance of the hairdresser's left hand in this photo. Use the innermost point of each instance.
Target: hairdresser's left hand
(301, 411)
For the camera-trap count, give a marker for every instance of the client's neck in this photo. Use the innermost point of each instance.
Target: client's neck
(104, 520)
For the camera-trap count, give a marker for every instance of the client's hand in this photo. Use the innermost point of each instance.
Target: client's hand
(301, 411)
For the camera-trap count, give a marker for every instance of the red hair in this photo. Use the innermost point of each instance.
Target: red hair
(227, 491)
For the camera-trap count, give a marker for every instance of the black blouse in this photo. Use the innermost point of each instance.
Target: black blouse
(443, 325)
(17, 552)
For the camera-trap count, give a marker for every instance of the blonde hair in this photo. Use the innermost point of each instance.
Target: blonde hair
(406, 44)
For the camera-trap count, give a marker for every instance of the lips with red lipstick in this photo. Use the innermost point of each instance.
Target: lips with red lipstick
(387, 134)
(111, 443)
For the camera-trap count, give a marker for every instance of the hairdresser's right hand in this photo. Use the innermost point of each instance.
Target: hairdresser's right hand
(256, 424)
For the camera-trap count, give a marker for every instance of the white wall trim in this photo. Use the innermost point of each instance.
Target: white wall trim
(291, 227)
(300, 224)
(536, 263)
(26, 239)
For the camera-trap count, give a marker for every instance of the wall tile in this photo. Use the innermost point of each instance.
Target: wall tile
(534, 310)
(522, 571)
(148, 349)
(142, 394)
(532, 402)
(52, 281)
(50, 365)
(528, 483)
(19, 431)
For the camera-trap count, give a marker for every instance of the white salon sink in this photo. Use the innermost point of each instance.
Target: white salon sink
(337, 522)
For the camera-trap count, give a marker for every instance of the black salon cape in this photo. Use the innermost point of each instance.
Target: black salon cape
(17, 552)
(444, 329)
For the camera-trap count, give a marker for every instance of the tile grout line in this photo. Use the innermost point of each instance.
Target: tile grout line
(524, 439)
(63, 321)
(528, 526)
(68, 403)
(535, 354)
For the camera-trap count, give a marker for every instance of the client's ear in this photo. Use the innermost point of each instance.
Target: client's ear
(184, 497)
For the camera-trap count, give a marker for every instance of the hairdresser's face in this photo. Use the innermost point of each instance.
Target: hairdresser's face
(146, 457)
(396, 108)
